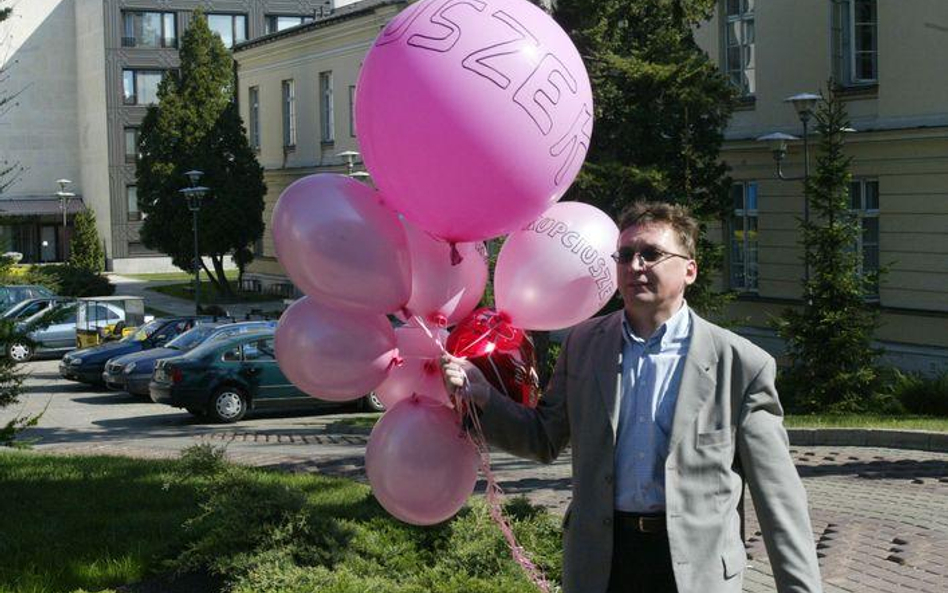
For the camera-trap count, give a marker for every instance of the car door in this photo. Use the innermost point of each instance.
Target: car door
(261, 370)
(61, 334)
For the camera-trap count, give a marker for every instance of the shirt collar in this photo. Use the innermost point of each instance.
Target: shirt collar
(676, 328)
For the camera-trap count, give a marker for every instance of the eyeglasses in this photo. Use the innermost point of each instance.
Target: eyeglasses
(647, 257)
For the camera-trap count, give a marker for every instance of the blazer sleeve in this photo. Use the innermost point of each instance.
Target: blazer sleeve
(777, 490)
(539, 434)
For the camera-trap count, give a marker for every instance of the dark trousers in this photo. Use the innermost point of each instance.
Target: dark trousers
(641, 562)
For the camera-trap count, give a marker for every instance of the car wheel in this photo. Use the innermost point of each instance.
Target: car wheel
(229, 404)
(20, 351)
(372, 403)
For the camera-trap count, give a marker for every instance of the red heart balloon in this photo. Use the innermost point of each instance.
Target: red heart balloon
(504, 353)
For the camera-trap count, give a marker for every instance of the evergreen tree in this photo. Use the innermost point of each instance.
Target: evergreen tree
(660, 109)
(85, 250)
(196, 125)
(829, 341)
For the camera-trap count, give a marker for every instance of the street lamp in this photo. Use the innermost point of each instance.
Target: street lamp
(193, 195)
(350, 156)
(64, 196)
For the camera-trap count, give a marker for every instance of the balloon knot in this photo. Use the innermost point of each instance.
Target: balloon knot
(438, 319)
(396, 361)
(456, 257)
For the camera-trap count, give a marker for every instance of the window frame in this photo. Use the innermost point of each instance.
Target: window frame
(136, 72)
(253, 115)
(271, 21)
(135, 215)
(165, 16)
(288, 94)
(132, 157)
(750, 266)
(845, 46)
(746, 15)
(327, 114)
(233, 25)
(352, 96)
(860, 215)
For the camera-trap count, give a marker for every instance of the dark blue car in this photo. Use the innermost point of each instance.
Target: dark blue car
(132, 372)
(86, 365)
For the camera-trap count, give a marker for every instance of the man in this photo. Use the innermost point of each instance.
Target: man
(659, 405)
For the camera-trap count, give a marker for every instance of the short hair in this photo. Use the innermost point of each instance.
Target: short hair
(676, 216)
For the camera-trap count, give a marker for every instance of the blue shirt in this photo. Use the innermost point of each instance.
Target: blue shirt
(651, 376)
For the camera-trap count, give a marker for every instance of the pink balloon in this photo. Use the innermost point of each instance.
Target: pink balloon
(420, 371)
(557, 270)
(444, 292)
(338, 242)
(420, 464)
(473, 117)
(334, 354)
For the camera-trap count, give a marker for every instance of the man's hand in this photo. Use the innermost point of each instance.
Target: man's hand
(464, 380)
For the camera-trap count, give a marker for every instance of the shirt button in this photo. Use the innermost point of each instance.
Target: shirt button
(608, 478)
(607, 521)
(641, 418)
(641, 455)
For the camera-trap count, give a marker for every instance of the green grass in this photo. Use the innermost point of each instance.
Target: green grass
(868, 421)
(209, 294)
(96, 522)
(229, 274)
(88, 522)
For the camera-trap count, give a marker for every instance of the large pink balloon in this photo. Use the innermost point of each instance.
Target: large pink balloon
(443, 289)
(473, 116)
(333, 354)
(557, 270)
(338, 242)
(420, 464)
(420, 370)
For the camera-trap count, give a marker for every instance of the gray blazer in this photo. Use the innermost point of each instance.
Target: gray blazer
(727, 404)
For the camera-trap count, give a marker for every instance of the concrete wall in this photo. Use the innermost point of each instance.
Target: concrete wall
(39, 128)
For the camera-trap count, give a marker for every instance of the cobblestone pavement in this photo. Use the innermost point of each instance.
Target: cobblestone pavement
(880, 516)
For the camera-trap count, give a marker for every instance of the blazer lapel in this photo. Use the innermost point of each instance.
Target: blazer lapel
(606, 358)
(698, 380)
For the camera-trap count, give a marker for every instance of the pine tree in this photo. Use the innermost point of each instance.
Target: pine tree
(660, 107)
(85, 250)
(829, 340)
(196, 125)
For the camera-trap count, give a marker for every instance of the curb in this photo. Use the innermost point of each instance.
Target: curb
(919, 440)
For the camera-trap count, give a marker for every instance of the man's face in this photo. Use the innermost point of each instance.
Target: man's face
(658, 284)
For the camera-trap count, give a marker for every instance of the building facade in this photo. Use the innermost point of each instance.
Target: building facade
(86, 71)
(296, 91)
(887, 60)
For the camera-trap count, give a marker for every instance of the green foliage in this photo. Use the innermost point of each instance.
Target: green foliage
(85, 249)
(919, 394)
(196, 125)
(829, 340)
(660, 106)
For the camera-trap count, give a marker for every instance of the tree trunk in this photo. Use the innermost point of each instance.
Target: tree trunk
(223, 286)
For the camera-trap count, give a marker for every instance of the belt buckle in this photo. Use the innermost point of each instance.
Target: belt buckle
(641, 525)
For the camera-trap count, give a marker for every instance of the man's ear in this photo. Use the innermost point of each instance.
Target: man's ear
(691, 273)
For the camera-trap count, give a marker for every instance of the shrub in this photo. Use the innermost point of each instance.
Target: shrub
(919, 394)
(67, 280)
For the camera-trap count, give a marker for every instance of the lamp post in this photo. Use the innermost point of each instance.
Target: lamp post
(193, 194)
(350, 156)
(64, 196)
(803, 104)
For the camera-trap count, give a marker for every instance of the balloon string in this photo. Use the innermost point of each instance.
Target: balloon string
(495, 494)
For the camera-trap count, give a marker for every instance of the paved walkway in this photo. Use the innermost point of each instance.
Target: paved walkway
(125, 285)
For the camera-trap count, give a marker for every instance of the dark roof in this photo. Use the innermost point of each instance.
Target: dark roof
(38, 206)
(340, 14)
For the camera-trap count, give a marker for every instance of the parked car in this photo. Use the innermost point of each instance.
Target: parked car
(12, 294)
(86, 364)
(132, 372)
(30, 307)
(57, 337)
(223, 379)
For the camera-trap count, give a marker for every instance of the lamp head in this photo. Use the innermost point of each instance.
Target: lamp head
(194, 176)
(63, 183)
(778, 143)
(803, 103)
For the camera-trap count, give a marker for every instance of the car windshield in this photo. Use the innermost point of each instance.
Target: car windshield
(144, 332)
(192, 337)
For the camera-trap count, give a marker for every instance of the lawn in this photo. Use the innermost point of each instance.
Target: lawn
(161, 277)
(932, 423)
(100, 522)
(185, 290)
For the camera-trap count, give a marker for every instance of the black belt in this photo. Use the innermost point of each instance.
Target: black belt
(640, 523)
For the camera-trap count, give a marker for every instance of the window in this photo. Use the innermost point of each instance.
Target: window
(289, 114)
(864, 204)
(254, 104)
(141, 86)
(232, 28)
(131, 198)
(232, 354)
(739, 59)
(258, 247)
(131, 144)
(855, 42)
(325, 107)
(278, 22)
(352, 119)
(149, 29)
(743, 237)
